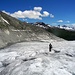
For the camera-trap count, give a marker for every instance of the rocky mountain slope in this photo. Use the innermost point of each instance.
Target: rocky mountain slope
(13, 30)
(64, 31)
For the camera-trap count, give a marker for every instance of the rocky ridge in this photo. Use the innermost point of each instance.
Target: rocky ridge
(13, 30)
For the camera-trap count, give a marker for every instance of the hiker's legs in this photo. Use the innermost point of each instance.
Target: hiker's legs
(49, 49)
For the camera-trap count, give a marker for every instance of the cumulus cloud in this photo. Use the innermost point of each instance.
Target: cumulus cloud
(45, 13)
(51, 15)
(27, 14)
(18, 14)
(31, 14)
(37, 8)
(60, 21)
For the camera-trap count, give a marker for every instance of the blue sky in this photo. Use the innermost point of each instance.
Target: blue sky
(53, 12)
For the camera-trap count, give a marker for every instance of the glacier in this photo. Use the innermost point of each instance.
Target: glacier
(34, 58)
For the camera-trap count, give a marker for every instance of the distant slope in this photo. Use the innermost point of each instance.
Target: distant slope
(62, 33)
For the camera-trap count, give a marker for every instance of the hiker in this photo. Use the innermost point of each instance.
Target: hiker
(50, 47)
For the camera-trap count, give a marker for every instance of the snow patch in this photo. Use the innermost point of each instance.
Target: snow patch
(5, 20)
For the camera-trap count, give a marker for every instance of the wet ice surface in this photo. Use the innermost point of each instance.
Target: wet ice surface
(34, 58)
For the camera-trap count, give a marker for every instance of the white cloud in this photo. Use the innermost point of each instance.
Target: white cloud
(60, 21)
(31, 14)
(6, 12)
(68, 21)
(37, 8)
(45, 13)
(51, 15)
(27, 14)
(18, 14)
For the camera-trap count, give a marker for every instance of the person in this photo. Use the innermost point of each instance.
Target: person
(50, 47)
